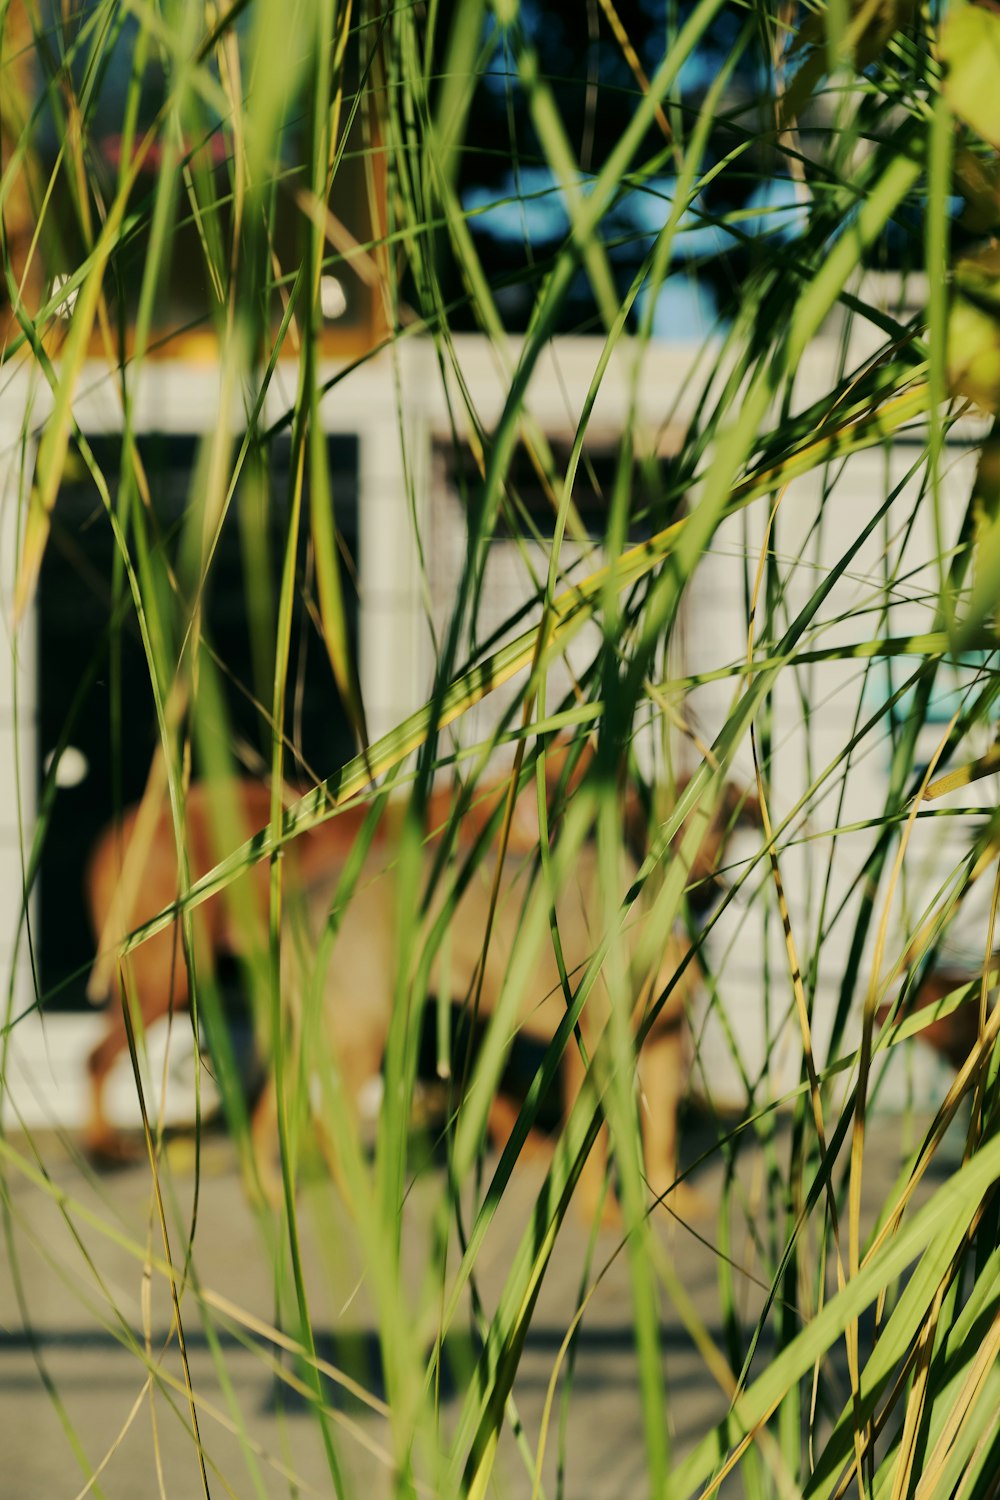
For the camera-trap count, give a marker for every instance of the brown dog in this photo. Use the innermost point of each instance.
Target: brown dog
(525, 987)
(359, 985)
(132, 876)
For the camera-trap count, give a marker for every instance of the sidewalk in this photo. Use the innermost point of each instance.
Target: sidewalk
(78, 1317)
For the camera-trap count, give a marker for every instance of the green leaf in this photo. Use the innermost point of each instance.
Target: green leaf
(970, 51)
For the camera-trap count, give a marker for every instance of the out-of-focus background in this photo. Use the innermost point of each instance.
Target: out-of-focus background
(339, 344)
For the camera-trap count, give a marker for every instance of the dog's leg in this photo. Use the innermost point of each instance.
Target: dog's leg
(264, 1144)
(661, 1062)
(266, 1149)
(503, 1117)
(150, 973)
(102, 1140)
(592, 1194)
(661, 1077)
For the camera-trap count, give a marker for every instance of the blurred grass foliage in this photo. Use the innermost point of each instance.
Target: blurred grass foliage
(179, 172)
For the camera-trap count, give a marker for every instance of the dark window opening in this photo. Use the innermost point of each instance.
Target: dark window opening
(531, 503)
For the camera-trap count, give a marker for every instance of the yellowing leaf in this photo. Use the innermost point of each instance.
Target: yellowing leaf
(859, 35)
(978, 181)
(986, 539)
(36, 536)
(970, 51)
(974, 330)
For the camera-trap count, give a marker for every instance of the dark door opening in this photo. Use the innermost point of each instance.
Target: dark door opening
(112, 735)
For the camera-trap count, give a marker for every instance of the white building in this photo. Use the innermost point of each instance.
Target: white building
(398, 465)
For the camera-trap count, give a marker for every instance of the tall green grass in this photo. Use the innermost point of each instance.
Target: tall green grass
(811, 390)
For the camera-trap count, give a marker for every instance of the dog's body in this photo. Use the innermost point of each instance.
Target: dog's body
(360, 983)
(491, 972)
(132, 876)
